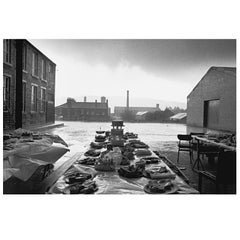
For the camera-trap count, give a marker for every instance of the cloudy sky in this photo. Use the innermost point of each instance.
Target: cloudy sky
(152, 70)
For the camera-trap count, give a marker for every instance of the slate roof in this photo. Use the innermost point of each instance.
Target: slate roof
(86, 105)
(223, 70)
(178, 116)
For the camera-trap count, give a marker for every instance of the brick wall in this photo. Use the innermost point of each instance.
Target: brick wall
(214, 85)
(10, 70)
(30, 118)
(38, 118)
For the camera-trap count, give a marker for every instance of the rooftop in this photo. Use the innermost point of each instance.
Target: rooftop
(224, 70)
(98, 105)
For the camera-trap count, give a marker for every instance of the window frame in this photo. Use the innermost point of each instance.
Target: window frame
(44, 70)
(7, 51)
(6, 107)
(35, 64)
(24, 58)
(24, 96)
(34, 98)
(43, 100)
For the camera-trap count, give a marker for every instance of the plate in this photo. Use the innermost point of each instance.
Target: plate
(172, 190)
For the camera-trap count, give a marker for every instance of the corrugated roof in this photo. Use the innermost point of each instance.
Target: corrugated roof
(97, 105)
(178, 116)
(141, 113)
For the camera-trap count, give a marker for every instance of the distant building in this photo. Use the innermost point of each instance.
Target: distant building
(118, 111)
(141, 116)
(84, 111)
(179, 118)
(28, 85)
(212, 103)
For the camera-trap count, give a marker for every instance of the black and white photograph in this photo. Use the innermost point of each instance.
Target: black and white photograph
(101, 118)
(119, 121)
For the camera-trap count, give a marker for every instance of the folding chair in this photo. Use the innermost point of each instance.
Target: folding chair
(185, 145)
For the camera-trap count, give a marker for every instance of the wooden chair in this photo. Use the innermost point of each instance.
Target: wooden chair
(185, 145)
(225, 173)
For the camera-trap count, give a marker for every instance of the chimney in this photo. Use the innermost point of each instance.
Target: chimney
(157, 106)
(95, 103)
(127, 99)
(103, 99)
(85, 99)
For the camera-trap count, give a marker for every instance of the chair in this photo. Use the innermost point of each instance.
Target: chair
(225, 173)
(194, 143)
(185, 145)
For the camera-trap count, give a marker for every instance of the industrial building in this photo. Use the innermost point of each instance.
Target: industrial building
(84, 111)
(179, 118)
(212, 103)
(119, 110)
(28, 86)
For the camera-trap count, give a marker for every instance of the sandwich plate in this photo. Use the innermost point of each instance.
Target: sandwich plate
(173, 189)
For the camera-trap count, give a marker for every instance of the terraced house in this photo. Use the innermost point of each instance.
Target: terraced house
(28, 86)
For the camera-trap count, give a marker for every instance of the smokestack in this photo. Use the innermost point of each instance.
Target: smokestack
(85, 99)
(127, 99)
(157, 106)
(103, 99)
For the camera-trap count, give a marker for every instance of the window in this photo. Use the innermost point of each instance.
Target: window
(24, 56)
(24, 92)
(43, 99)
(7, 51)
(44, 70)
(35, 64)
(6, 92)
(34, 98)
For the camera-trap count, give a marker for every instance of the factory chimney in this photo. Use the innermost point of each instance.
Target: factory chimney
(103, 99)
(85, 99)
(127, 99)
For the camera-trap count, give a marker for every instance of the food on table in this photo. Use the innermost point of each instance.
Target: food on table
(87, 187)
(151, 160)
(92, 153)
(160, 186)
(87, 161)
(159, 173)
(143, 152)
(131, 171)
(77, 177)
(105, 164)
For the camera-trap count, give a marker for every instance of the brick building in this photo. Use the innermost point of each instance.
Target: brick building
(212, 103)
(28, 86)
(84, 111)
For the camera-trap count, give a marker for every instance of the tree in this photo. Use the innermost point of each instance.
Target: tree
(128, 115)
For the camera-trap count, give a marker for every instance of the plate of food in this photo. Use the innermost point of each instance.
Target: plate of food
(87, 187)
(77, 177)
(159, 173)
(160, 187)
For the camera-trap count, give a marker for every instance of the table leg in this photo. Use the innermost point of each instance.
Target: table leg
(198, 161)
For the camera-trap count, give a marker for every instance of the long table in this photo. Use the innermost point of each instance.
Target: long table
(112, 183)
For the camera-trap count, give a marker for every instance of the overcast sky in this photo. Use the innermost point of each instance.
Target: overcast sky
(151, 69)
